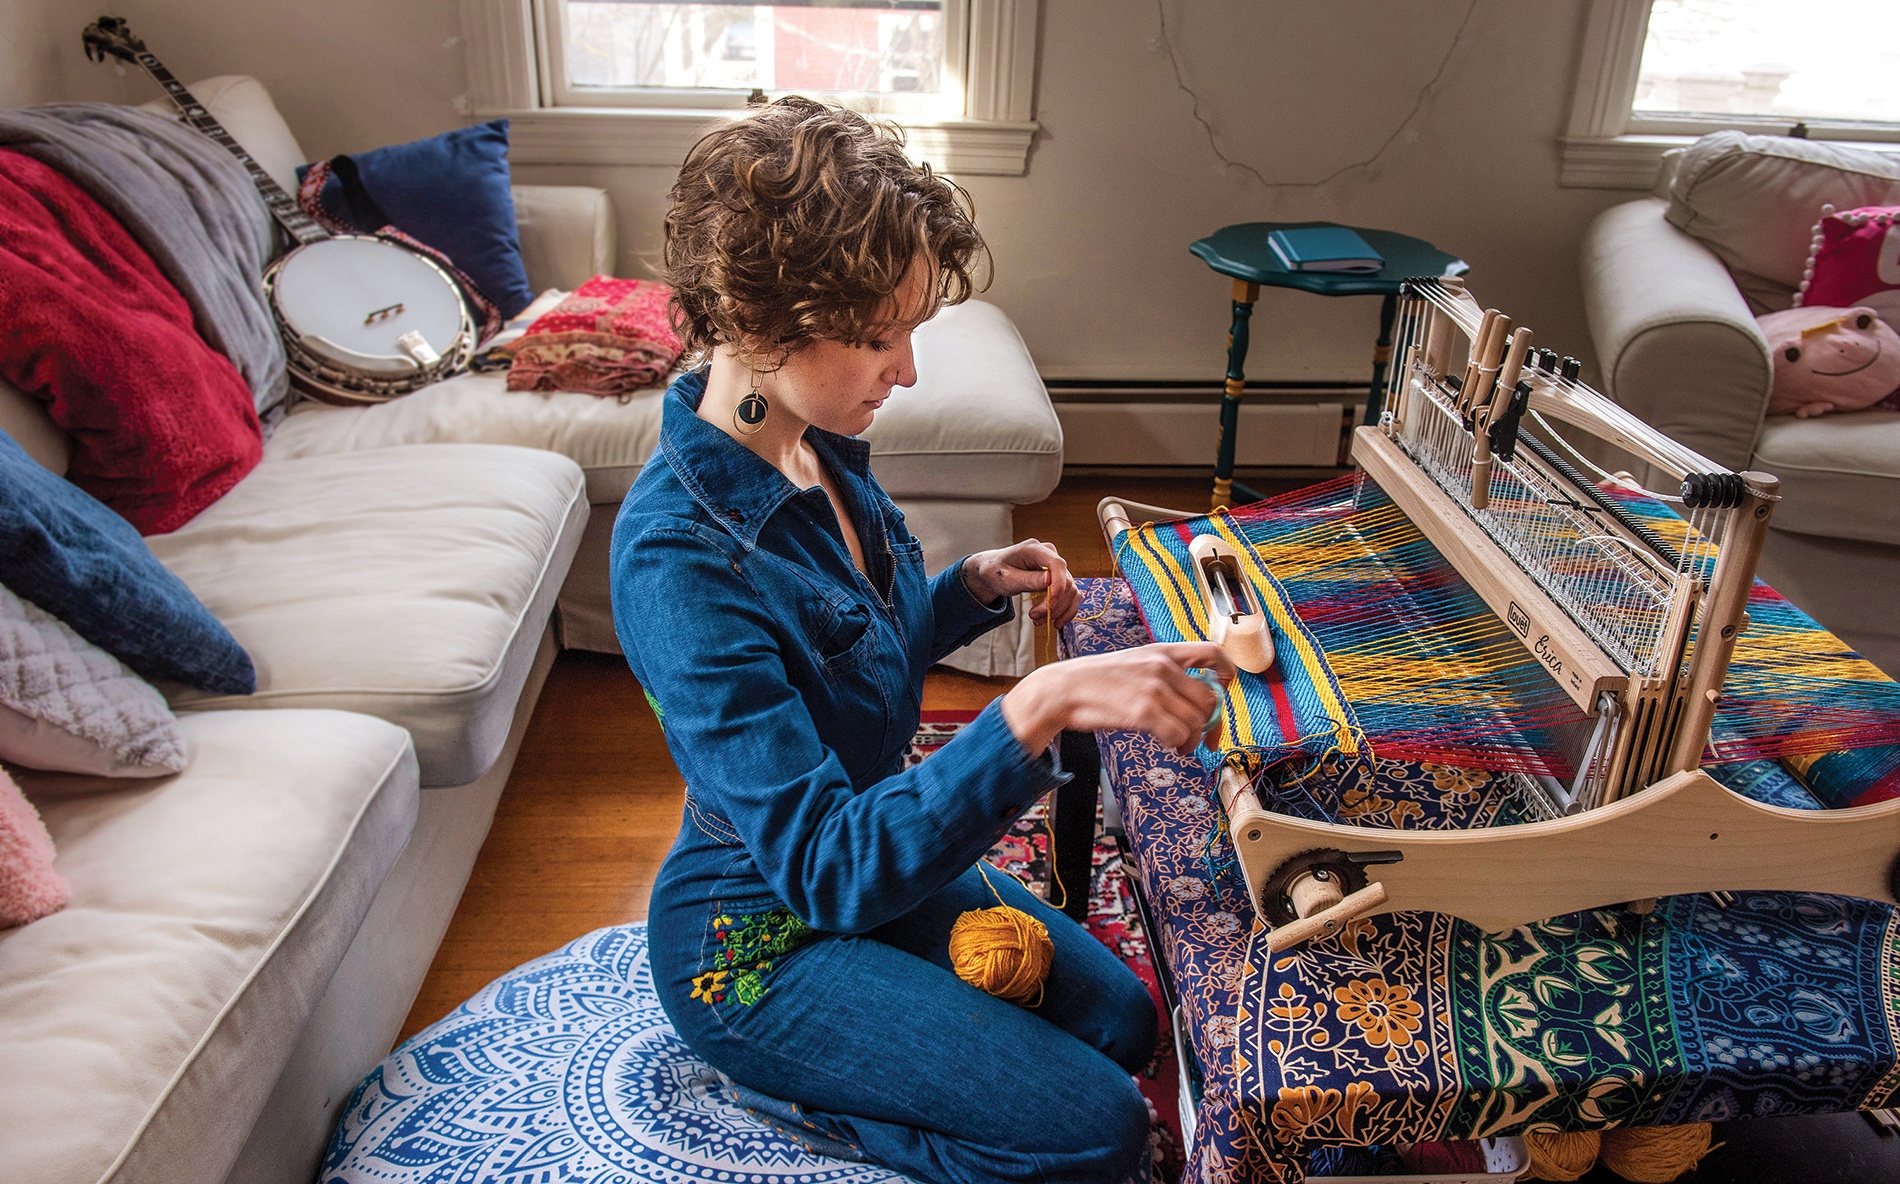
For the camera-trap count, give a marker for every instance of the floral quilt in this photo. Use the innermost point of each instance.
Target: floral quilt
(1417, 1026)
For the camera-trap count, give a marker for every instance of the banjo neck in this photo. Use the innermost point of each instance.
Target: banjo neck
(282, 206)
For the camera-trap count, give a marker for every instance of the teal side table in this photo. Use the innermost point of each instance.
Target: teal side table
(1242, 252)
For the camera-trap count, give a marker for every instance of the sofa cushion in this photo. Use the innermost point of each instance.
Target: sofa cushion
(412, 584)
(142, 1027)
(1840, 474)
(1755, 199)
(978, 426)
(567, 234)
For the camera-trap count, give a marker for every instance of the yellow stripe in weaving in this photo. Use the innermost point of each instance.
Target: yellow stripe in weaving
(1345, 735)
(1190, 620)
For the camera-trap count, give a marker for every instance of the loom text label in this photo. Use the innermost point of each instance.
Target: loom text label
(1548, 656)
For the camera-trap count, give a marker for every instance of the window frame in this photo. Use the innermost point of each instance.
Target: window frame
(511, 62)
(1607, 145)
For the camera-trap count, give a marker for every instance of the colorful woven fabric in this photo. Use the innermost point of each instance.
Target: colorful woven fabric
(609, 337)
(1416, 1026)
(1294, 716)
(1429, 673)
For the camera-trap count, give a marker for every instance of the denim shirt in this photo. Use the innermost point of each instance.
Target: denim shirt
(788, 685)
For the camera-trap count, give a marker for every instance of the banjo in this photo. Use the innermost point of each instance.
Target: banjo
(364, 319)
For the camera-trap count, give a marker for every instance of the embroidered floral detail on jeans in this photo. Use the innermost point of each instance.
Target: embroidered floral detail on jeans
(750, 944)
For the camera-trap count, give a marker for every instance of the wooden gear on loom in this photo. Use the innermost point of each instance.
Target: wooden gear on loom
(1641, 819)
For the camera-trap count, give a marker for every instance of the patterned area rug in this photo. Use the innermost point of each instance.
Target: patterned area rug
(1112, 918)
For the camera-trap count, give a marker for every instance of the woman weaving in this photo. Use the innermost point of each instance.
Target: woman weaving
(776, 610)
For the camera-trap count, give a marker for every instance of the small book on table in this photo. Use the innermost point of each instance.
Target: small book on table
(1324, 248)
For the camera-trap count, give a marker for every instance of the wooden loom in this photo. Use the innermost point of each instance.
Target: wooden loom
(1636, 632)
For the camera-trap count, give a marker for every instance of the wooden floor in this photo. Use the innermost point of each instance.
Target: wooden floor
(594, 800)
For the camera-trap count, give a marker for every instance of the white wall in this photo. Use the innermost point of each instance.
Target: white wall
(30, 57)
(1090, 245)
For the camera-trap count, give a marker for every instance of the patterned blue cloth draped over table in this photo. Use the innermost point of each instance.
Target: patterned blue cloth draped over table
(1415, 1026)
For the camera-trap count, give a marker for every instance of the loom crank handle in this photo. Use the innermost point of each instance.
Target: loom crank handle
(1327, 921)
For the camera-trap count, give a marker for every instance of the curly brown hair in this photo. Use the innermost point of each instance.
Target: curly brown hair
(799, 222)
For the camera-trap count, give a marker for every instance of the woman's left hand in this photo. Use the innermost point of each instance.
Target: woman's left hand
(1028, 566)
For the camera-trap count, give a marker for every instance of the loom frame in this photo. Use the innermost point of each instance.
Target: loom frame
(1646, 821)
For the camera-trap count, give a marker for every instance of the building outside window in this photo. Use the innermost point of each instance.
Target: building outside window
(1655, 74)
(882, 55)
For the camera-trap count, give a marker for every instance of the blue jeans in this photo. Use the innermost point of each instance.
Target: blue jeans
(870, 1047)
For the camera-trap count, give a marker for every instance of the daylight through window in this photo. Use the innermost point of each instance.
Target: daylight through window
(847, 47)
(1770, 59)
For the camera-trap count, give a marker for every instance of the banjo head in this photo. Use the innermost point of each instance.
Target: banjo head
(350, 301)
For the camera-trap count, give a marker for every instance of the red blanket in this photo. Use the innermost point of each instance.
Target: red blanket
(162, 424)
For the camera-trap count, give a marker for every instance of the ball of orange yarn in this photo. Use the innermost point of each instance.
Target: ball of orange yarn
(1655, 1154)
(1561, 1157)
(1002, 950)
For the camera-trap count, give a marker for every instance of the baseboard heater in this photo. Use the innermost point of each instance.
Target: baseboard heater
(1131, 424)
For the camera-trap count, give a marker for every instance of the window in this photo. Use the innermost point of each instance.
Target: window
(1655, 74)
(879, 55)
(1769, 61)
(637, 81)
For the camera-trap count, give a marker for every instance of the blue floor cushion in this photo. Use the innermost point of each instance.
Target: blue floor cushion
(564, 1070)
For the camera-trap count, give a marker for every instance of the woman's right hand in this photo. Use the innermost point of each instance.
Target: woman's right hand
(1145, 689)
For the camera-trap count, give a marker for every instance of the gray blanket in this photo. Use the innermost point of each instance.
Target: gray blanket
(189, 203)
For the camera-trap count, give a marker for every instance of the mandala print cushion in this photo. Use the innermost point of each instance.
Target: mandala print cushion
(564, 1069)
(67, 705)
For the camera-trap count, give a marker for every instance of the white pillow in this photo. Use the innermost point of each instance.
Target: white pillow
(68, 706)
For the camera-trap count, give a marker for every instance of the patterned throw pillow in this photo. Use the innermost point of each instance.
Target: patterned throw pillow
(607, 337)
(68, 706)
(564, 1069)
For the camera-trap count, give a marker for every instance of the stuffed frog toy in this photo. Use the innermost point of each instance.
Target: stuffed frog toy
(1830, 359)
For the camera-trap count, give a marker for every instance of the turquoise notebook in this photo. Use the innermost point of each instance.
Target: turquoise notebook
(1324, 248)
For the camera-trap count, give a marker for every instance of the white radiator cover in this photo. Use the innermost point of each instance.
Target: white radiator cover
(1185, 433)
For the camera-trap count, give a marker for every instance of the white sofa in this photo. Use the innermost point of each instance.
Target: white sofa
(246, 938)
(1672, 285)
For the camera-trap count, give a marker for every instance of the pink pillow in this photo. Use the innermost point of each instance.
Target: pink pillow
(1854, 259)
(29, 887)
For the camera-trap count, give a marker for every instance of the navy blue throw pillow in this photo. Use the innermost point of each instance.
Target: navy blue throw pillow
(450, 191)
(63, 550)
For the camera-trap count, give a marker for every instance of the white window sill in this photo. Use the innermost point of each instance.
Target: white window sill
(653, 136)
(1631, 162)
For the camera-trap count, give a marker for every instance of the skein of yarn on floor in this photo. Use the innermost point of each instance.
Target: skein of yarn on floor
(1004, 951)
(1655, 1154)
(1561, 1157)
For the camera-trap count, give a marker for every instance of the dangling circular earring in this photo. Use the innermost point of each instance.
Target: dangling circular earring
(749, 416)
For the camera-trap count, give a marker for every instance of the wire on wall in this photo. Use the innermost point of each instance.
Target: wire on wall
(1213, 142)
